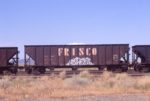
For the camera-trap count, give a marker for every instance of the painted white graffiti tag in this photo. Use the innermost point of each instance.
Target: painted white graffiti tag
(80, 61)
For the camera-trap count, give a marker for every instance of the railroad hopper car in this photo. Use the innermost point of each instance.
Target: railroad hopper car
(141, 57)
(8, 59)
(110, 56)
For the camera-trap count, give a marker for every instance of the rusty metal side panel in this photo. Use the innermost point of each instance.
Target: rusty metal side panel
(47, 55)
(3, 57)
(116, 54)
(143, 51)
(82, 56)
(39, 56)
(31, 51)
(82, 52)
(54, 56)
(109, 55)
(61, 55)
(11, 52)
(95, 55)
(148, 55)
(67, 56)
(74, 56)
(102, 55)
(6, 54)
(123, 50)
(88, 58)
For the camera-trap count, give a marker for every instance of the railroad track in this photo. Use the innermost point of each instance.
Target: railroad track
(70, 73)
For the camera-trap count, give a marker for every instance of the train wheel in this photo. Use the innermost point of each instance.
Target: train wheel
(140, 69)
(124, 70)
(28, 70)
(136, 67)
(14, 70)
(51, 68)
(1, 71)
(74, 68)
(113, 69)
(7, 72)
(109, 68)
(101, 68)
(36, 71)
(42, 70)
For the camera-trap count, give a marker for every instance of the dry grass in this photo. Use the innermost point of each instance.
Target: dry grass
(79, 85)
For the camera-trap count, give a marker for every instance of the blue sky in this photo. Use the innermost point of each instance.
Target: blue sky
(68, 21)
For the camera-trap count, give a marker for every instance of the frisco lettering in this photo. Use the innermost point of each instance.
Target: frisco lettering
(80, 51)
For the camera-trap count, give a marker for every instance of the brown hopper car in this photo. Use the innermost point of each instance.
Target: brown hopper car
(141, 57)
(111, 56)
(39, 58)
(8, 59)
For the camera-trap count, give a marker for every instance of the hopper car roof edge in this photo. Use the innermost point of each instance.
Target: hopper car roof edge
(141, 46)
(7, 47)
(76, 45)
